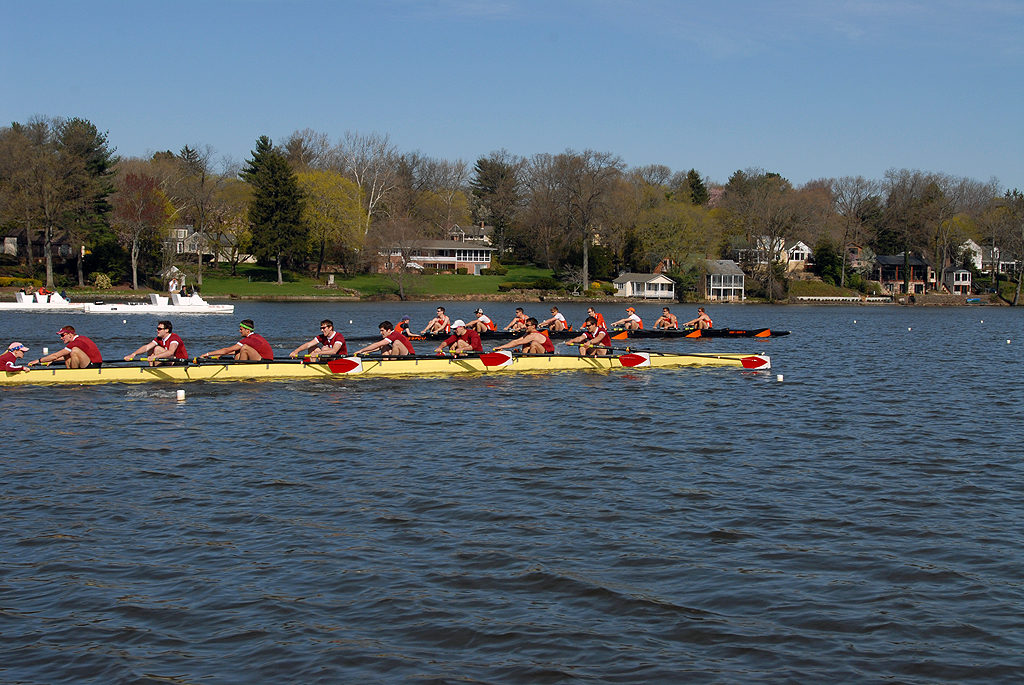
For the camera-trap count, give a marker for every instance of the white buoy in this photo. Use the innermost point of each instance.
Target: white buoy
(350, 322)
(778, 377)
(124, 320)
(908, 328)
(855, 320)
(983, 320)
(46, 351)
(1007, 342)
(181, 395)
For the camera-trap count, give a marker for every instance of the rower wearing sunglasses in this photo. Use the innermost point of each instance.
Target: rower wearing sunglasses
(166, 348)
(328, 342)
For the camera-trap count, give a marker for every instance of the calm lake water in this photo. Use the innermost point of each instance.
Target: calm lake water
(860, 521)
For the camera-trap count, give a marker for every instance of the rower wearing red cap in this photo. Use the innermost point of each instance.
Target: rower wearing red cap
(463, 340)
(9, 359)
(79, 351)
(632, 322)
(251, 347)
(165, 348)
(534, 342)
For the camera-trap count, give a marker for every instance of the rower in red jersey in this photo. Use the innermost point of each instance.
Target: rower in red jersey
(329, 342)
(392, 344)
(165, 348)
(79, 351)
(534, 342)
(251, 347)
(463, 340)
(595, 341)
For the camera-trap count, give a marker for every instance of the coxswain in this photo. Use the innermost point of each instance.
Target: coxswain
(328, 342)
(666, 320)
(79, 351)
(482, 323)
(533, 342)
(600, 317)
(439, 324)
(392, 344)
(702, 320)
(166, 347)
(9, 359)
(556, 323)
(594, 341)
(632, 322)
(462, 340)
(518, 322)
(403, 326)
(251, 347)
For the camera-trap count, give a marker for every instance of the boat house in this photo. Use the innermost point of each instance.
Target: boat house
(649, 286)
(957, 280)
(723, 281)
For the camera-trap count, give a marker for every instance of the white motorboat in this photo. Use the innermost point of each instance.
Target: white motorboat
(35, 302)
(161, 304)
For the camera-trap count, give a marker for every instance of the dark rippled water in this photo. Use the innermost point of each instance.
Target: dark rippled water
(859, 521)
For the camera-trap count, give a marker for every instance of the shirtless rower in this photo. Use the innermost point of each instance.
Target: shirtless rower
(594, 341)
(534, 342)
(391, 344)
(251, 346)
(328, 342)
(462, 340)
(666, 320)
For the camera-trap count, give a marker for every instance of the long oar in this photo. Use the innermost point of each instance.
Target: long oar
(752, 361)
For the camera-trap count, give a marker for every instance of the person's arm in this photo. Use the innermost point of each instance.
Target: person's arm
(142, 350)
(513, 343)
(304, 346)
(165, 352)
(619, 322)
(374, 346)
(52, 357)
(224, 350)
(450, 340)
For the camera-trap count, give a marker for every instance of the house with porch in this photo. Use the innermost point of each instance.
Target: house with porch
(891, 271)
(724, 281)
(957, 280)
(442, 255)
(649, 286)
(798, 255)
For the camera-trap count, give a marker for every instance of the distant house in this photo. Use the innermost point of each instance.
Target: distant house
(859, 257)
(957, 280)
(651, 286)
(763, 250)
(798, 255)
(891, 272)
(477, 233)
(16, 242)
(723, 280)
(442, 255)
(972, 253)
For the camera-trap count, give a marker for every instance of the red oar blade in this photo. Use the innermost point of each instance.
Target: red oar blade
(346, 365)
(635, 359)
(756, 361)
(496, 359)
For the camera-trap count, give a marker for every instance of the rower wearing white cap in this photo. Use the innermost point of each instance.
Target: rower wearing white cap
(462, 340)
(9, 359)
(482, 323)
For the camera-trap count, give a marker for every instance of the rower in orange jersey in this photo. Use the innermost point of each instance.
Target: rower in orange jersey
(518, 322)
(631, 322)
(702, 320)
(666, 320)
(598, 316)
(439, 324)
(594, 341)
(533, 342)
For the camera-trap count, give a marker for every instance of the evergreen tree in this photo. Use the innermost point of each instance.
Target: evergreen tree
(698, 191)
(275, 211)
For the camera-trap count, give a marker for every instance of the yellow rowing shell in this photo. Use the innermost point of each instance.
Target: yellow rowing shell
(489, 363)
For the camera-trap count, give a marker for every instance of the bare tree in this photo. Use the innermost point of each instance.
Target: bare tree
(372, 162)
(851, 196)
(307, 149)
(393, 243)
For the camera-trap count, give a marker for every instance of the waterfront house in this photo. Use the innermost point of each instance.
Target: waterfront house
(651, 286)
(723, 281)
(891, 272)
(798, 255)
(442, 255)
(957, 280)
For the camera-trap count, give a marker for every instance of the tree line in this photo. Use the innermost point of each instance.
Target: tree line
(309, 203)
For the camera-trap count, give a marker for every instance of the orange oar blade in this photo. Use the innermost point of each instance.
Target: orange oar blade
(766, 333)
(694, 334)
(621, 336)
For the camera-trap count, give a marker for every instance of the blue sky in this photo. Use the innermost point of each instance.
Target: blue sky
(807, 88)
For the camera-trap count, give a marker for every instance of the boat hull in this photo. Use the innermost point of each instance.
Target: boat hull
(146, 308)
(372, 366)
